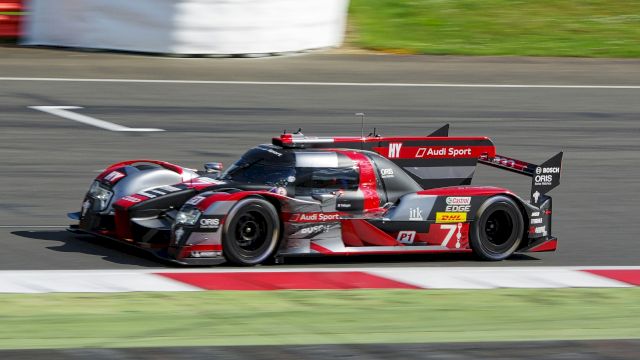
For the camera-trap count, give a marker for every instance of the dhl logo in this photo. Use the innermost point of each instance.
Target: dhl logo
(450, 217)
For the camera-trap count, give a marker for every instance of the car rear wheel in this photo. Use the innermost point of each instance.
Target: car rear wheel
(251, 232)
(498, 229)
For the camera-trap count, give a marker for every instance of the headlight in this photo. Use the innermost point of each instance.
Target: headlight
(188, 217)
(102, 195)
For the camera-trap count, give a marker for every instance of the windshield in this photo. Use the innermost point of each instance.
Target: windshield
(263, 165)
(259, 172)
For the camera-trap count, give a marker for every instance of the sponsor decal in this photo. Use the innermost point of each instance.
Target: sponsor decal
(541, 230)
(314, 217)
(458, 208)
(195, 200)
(443, 151)
(159, 191)
(545, 175)
(314, 229)
(450, 217)
(178, 234)
(132, 199)
(458, 204)
(458, 200)
(415, 214)
(279, 190)
(85, 207)
(535, 213)
(394, 150)
(197, 254)
(209, 223)
(536, 195)
(271, 151)
(343, 205)
(536, 221)
(114, 176)
(386, 173)
(207, 180)
(406, 237)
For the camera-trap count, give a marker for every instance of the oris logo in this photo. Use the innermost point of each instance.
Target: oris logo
(209, 223)
(385, 173)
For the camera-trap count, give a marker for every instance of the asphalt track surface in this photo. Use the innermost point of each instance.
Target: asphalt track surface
(551, 350)
(48, 162)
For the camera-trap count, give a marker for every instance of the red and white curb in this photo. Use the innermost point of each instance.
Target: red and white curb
(316, 279)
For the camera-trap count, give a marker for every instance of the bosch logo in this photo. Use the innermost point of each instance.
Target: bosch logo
(551, 170)
(538, 170)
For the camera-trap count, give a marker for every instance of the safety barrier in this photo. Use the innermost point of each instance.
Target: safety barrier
(188, 26)
(10, 18)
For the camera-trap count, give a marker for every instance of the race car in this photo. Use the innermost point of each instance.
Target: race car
(306, 196)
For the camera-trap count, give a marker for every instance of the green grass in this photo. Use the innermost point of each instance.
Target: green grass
(593, 28)
(311, 317)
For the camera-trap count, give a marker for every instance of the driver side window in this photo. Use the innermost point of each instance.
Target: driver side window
(326, 180)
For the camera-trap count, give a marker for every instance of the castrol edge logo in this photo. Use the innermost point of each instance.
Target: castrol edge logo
(458, 200)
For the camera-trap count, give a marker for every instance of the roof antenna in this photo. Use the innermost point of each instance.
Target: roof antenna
(362, 124)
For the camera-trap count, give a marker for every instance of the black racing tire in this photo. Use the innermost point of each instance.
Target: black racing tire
(498, 229)
(251, 232)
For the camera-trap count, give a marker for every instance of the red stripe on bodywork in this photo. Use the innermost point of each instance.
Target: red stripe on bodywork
(465, 191)
(437, 152)
(339, 280)
(368, 183)
(629, 276)
(550, 245)
(164, 164)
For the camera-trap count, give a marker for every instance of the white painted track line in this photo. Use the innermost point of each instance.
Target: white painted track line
(311, 83)
(63, 112)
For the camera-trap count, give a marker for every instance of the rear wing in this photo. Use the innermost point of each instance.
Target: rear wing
(544, 177)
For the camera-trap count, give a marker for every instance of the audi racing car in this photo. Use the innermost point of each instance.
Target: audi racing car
(301, 196)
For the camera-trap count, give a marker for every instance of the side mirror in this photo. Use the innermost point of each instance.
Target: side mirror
(323, 198)
(213, 167)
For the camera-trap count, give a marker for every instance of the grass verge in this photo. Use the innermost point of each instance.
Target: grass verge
(593, 28)
(312, 317)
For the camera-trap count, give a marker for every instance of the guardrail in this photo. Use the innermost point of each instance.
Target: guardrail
(192, 27)
(10, 18)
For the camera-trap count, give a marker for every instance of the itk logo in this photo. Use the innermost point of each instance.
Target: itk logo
(394, 150)
(415, 214)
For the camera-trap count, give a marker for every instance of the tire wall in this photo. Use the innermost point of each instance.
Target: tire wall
(216, 27)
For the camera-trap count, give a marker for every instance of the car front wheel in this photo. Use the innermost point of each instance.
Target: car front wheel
(251, 232)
